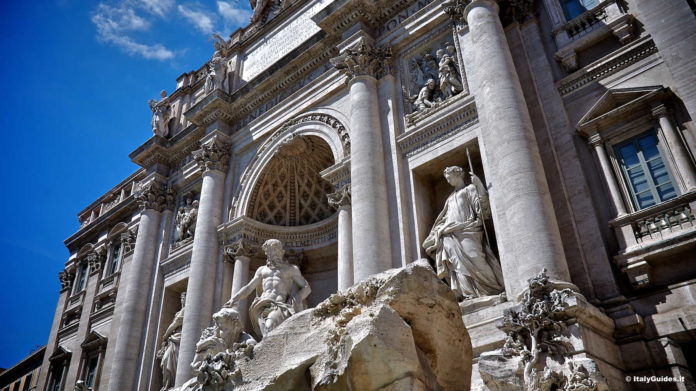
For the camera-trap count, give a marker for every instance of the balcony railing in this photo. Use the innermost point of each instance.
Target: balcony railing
(668, 221)
(659, 222)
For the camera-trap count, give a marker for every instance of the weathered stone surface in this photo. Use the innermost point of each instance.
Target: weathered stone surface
(398, 330)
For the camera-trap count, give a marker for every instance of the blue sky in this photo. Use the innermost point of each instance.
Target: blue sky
(76, 78)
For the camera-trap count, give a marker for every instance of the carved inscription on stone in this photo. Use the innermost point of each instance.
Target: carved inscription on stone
(272, 48)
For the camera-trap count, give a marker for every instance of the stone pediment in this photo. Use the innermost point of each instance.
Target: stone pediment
(93, 339)
(615, 104)
(60, 354)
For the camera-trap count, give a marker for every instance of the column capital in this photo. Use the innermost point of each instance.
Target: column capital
(214, 154)
(595, 140)
(659, 110)
(341, 197)
(96, 259)
(239, 249)
(155, 195)
(458, 10)
(363, 59)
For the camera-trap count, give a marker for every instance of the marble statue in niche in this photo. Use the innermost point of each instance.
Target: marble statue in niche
(169, 352)
(457, 241)
(161, 114)
(436, 77)
(186, 218)
(281, 288)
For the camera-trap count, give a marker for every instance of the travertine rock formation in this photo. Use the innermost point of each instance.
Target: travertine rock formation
(398, 330)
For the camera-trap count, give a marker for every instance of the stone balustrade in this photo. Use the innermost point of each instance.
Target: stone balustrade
(663, 221)
(108, 201)
(590, 27)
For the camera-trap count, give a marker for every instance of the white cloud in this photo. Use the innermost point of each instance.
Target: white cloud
(231, 14)
(157, 7)
(113, 24)
(200, 19)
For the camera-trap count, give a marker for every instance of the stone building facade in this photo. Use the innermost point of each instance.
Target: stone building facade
(327, 124)
(24, 375)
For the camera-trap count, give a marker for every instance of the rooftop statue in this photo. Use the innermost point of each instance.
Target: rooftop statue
(161, 113)
(457, 243)
(281, 290)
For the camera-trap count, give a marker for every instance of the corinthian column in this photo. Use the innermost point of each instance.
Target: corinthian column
(676, 146)
(529, 239)
(240, 252)
(212, 160)
(341, 200)
(153, 198)
(363, 63)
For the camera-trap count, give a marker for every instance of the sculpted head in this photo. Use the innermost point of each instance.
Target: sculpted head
(228, 323)
(183, 299)
(440, 52)
(273, 249)
(454, 175)
(450, 48)
(431, 84)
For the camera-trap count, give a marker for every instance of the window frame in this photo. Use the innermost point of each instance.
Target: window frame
(621, 170)
(81, 277)
(114, 263)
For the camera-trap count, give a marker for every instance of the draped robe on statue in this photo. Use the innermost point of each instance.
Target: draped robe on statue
(456, 241)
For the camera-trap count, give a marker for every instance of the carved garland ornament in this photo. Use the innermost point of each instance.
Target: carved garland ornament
(213, 155)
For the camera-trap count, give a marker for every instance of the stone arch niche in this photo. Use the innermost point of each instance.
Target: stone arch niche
(290, 191)
(283, 195)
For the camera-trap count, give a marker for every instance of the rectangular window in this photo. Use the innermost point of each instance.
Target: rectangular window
(575, 8)
(115, 259)
(644, 169)
(81, 279)
(27, 382)
(56, 378)
(91, 374)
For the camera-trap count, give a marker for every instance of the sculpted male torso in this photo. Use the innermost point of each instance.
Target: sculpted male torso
(281, 290)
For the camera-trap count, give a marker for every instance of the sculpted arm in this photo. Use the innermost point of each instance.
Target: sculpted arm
(176, 324)
(246, 290)
(305, 290)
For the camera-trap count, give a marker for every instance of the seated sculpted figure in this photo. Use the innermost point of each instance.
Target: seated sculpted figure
(426, 96)
(457, 243)
(281, 290)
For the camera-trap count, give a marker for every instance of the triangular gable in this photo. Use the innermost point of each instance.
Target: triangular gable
(93, 339)
(617, 101)
(59, 354)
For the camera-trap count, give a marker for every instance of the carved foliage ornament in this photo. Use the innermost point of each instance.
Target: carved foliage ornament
(341, 197)
(155, 195)
(213, 155)
(96, 259)
(241, 248)
(455, 9)
(363, 59)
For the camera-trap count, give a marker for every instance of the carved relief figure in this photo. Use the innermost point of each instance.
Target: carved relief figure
(426, 96)
(281, 290)
(443, 69)
(450, 84)
(457, 243)
(161, 113)
(186, 218)
(169, 352)
(225, 335)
